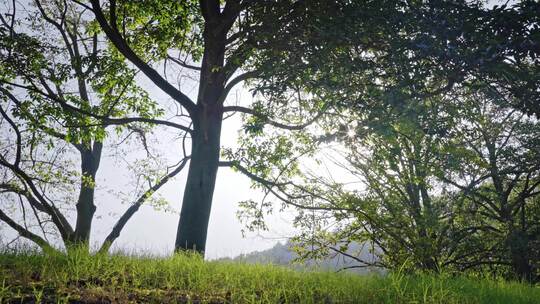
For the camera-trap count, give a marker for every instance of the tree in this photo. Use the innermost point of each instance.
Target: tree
(223, 38)
(424, 51)
(444, 185)
(399, 205)
(280, 47)
(61, 93)
(402, 210)
(500, 174)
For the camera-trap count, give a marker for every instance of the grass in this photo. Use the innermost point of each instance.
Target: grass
(29, 277)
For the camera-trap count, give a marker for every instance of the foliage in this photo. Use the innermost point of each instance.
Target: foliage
(153, 28)
(444, 184)
(397, 95)
(390, 51)
(62, 94)
(499, 174)
(402, 210)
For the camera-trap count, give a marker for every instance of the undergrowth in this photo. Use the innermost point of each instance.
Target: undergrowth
(30, 277)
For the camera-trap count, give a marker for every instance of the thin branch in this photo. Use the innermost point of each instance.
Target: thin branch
(115, 232)
(26, 233)
(271, 122)
(183, 63)
(57, 217)
(18, 135)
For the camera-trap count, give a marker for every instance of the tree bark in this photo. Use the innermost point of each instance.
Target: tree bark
(518, 244)
(205, 142)
(199, 190)
(86, 208)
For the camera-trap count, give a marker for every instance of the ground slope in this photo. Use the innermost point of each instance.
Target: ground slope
(80, 278)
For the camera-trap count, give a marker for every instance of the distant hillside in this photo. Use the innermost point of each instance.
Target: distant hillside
(282, 254)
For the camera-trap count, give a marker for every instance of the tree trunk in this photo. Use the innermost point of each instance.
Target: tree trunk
(199, 190)
(517, 242)
(86, 208)
(205, 139)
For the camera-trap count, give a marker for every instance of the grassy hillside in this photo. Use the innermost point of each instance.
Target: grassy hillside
(80, 278)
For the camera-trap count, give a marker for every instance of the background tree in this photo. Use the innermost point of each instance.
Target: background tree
(450, 185)
(422, 51)
(403, 211)
(500, 174)
(397, 205)
(62, 92)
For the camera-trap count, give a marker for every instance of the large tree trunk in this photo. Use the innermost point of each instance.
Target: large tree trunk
(90, 159)
(205, 139)
(199, 190)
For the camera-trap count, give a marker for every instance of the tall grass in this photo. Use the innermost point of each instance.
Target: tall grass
(27, 277)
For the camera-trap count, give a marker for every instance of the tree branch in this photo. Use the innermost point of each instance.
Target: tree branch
(118, 41)
(17, 134)
(115, 232)
(183, 63)
(57, 217)
(27, 234)
(105, 119)
(242, 77)
(271, 122)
